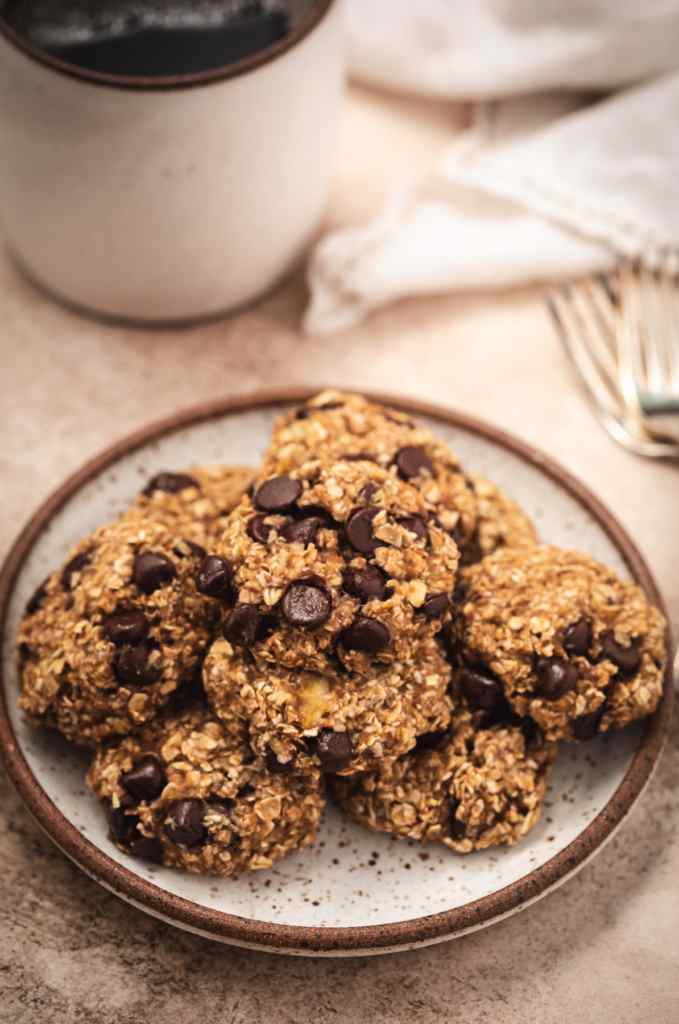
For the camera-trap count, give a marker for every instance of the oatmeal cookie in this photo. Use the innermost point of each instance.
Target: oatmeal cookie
(335, 426)
(193, 503)
(188, 793)
(107, 640)
(501, 523)
(339, 721)
(339, 561)
(470, 788)
(562, 638)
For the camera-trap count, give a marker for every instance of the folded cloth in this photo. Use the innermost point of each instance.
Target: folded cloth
(541, 186)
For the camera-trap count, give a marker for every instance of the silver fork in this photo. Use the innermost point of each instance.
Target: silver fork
(621, 334)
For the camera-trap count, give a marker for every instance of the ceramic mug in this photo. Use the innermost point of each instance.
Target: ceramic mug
(169, 199)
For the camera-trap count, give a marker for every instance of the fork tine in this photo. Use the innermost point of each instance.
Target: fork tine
(574, 334)
(670, 288)
(631, 368)
(594, 305)
(652, 333)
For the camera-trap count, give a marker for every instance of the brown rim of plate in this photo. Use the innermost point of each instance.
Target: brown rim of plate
(307, 24)
(347, 940)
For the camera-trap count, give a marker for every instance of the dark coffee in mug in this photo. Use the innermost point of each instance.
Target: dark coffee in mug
(152, 39)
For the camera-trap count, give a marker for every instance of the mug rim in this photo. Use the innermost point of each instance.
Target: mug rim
(162, 83)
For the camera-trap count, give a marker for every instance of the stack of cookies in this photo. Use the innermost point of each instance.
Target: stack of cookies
(360, 617)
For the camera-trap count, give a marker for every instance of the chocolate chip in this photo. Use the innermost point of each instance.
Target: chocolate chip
(194, 549)
(556, 677)
(432, 740)
(627, 659)
(369, 490)
(246, 790)
(243, 625)
(215, 577)
(302, 531)
(146, 779)
(335, 750)
(152, 571)
(458, 829)
(131, 665)
(585, 727)
(369, 584)
(148, 848)
(360, 531)
(125, 627)
(307, 603)
(366, 635)
(275, 766)
(258, 529)
(411, 461)
(184, 822)
(577, 638)
(481, 691)
(415, 525)
(436, 606)
(171, 483)
(123, 826)
(76, 565)
(277, 494)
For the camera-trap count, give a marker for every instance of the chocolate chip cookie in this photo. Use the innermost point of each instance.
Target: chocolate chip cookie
(193, 503)
(336, 426)
(107, 640)
(339, 721)
(469, 788)
(339, 562)
(187, 792)
(561, 638)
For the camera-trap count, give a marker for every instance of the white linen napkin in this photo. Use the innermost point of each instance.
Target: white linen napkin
(542, 186)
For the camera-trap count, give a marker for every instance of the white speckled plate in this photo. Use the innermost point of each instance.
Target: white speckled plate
(355, 892)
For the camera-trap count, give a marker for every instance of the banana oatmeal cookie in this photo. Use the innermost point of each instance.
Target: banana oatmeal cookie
(335, 426)
(193, 503)
(340, 721)
(469, 788)
(561, 638)
(107, 641)
(338, 561)
(189, 793)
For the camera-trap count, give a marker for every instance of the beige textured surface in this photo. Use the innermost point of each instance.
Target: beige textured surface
(605, 946)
